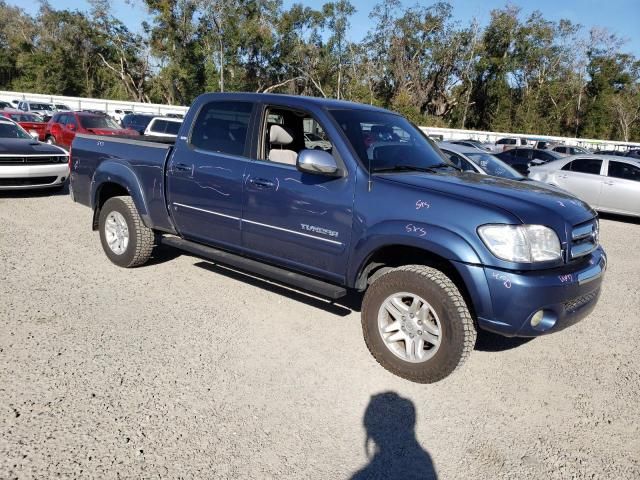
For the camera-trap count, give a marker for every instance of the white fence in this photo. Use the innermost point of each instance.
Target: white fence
(78, 103)
(491, 137)
(110, 106)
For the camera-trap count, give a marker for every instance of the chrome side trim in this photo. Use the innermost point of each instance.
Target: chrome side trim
(293, 231)
(334, 242)
(206, 211)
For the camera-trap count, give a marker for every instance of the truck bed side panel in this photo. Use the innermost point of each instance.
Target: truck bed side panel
(137, 166)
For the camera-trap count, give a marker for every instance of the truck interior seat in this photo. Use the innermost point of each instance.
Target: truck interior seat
(280, 137)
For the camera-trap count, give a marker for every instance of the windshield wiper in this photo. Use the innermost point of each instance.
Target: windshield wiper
(413, 168)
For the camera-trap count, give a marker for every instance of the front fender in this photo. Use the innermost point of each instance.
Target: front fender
(428, 237)
(111, 171)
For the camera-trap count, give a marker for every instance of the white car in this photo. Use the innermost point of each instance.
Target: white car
(26, 163)
(43, 109)
(606, 182)
(163, 127)
(316, 142)
(118, 114)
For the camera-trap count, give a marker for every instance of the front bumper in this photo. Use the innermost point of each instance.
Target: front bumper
(20, 177)
(506, 301)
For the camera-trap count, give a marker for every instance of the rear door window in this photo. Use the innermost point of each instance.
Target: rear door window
(222, 127)
(584, 165)
(623, 170)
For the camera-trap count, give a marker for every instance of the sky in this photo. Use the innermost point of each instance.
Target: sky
(619, 16)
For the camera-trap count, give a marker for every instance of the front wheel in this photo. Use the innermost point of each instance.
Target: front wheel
(125, 239)
(416, 323)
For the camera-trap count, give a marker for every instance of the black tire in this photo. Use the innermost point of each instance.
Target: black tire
(141, 238)
(458, 332)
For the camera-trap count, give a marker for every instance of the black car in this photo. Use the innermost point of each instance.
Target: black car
(137, 121)
(522, 158)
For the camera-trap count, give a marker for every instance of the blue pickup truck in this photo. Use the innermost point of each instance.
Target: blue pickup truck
(377, 208)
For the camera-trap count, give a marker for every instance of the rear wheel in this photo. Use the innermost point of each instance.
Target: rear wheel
(125, 239)
(416, 323)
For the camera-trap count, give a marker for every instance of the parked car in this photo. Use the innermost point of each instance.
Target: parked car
(508, 143)
(61, 107)
(175, 115)
(473, 144)
(314, 141)
(617, 153)
(607, 183)
(633, 153)
(30, 122)
(544, 144)
(568, 150)
(6, 105)
(27, 163)
(163, 127)
(45, 110)
(436, 251)
(471, 159)
(118, 114)
(137, 121)
(522, 158)
(63, 127)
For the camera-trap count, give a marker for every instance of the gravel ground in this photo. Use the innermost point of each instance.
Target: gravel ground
(182, 369)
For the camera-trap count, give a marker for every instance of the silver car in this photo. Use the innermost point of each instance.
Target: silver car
(607, 183)
(472, 159)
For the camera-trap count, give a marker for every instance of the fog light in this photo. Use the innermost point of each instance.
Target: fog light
(537, 318)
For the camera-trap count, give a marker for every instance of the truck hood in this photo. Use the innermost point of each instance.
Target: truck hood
(529, 201)
(25, 146)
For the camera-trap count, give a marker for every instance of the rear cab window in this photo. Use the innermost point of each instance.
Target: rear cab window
(222, 127)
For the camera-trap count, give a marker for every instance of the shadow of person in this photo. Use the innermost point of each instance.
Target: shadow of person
(390, 422)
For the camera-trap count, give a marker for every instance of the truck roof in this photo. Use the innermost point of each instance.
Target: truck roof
(292, 100)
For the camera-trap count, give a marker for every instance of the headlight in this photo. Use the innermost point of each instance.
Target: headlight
(521, 243)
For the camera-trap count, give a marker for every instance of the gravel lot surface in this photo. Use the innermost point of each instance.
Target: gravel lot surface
(182, 369)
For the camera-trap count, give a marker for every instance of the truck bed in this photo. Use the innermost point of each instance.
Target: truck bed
(95, 158)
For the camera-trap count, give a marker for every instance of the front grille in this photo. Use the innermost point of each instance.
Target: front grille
(573, 305)
(33, 160)
(21, 182)
(584, 239)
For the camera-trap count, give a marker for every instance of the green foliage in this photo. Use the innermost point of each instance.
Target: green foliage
(530, 75)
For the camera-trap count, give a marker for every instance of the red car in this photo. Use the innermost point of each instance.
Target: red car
(30, 122)
(63, 126)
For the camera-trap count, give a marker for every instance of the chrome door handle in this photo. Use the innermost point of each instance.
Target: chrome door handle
(262, 183)
(182, 167)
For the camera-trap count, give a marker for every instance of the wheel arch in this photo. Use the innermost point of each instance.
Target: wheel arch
(112, 180)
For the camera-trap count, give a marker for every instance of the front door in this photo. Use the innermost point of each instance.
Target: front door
(582, 178)
(299, 220)
(205, 174)
(621, 189)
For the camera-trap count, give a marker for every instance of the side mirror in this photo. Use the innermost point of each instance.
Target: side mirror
(71, 126)
(317, 162)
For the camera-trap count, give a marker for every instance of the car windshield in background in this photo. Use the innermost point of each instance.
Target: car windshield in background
(25, 117)
(97, 122)
(493, 166)
(41, 106)
(387, 142)
(11, 130)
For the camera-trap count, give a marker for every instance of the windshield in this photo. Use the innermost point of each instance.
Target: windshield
(25, 117)
(493, 166)
(384, 141)
(61, 106)
(41, 106)
(313, 137)
(11, 130)
(96, 121)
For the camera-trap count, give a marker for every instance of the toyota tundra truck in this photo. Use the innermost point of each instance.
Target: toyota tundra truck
(437, 252)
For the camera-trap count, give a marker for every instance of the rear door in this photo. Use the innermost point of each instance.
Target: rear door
(299, 220)
(69, 128)
(205, 174)
(621, 189)
(583, 178)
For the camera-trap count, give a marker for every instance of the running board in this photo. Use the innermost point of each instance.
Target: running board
(296, 280)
